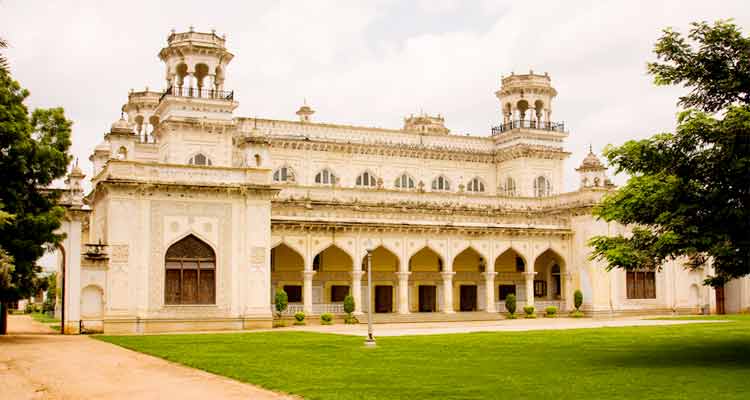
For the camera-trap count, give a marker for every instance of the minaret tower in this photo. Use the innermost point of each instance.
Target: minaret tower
(529, 143)
(593, 172)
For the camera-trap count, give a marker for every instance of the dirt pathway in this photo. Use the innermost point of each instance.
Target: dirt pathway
(36, 366)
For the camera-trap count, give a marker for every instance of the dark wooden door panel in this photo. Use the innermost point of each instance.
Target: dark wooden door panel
(383, 299)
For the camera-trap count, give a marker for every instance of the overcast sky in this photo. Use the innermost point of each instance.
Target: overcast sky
(366, 63)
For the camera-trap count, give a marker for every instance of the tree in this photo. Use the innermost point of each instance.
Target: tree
(349, 307)
(689, 192)
(33, 153)
(3, 60)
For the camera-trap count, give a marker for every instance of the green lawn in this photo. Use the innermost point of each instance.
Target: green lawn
(43, 318)
(698, 361)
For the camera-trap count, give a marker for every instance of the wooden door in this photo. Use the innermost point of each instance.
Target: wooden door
(720, 300)
(383, 299)
(468, 298)
(427, 298)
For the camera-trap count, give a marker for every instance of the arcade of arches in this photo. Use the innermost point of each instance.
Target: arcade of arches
(422, 284)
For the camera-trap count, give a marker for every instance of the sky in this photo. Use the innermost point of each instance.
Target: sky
(365, 63)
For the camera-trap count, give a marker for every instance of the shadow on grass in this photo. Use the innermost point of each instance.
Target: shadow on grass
(721, 355)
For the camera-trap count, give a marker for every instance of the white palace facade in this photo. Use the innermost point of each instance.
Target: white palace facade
(197, 216)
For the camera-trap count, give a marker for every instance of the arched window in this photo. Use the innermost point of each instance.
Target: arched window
(542, 187)
(190, 276)
(199, 159)
(509, 188)
(404, 182)
(441, 184)
(283, 174)
(366, 179)
(475, 185)
(122, 153)
(325, 177)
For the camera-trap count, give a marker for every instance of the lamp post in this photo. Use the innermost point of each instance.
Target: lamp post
(370, 341)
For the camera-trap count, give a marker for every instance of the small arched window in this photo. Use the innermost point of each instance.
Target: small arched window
(199, 159)
(510, 187)
(475, 185)
(404, 182)
(366, 179)
(325, 177)
(190, 276)
(441, 184)
(542, 187)
(122, 153)
(283, 174)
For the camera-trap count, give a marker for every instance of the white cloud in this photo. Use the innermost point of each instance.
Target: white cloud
(363, 62)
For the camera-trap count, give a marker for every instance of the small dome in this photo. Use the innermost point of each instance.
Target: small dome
(591, 162)
(305, 110)
(121, 126)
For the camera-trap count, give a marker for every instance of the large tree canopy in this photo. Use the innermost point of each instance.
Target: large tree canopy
(33, 153)
(689, 191)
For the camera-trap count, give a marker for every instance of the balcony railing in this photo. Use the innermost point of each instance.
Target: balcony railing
(199, 93)
(317, 308)
(539, 305)
(523, 124)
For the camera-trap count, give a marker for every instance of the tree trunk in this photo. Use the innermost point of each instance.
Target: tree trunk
(3, 318)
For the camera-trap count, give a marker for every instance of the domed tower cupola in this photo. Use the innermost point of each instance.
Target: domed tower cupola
(426, 124)
(305, 113)
(526, 102)
(196, 64)
(197, 61)
(121, 138)
(593, 172)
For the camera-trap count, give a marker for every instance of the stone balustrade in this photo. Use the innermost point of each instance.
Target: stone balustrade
(152, 172)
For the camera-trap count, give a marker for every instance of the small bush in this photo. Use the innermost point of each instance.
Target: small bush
(281, 302)
(510, 304)
(529, 310)
(326, 319)
(299, 318)
(550, 312)
(578, 299)
(576, 314)
(349, 304)
(351, 319)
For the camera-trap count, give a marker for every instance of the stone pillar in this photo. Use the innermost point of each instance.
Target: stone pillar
(448, 292)
(357, 290)
(307, 298)
(489, 290)
(529, 287)
(403, 292)
(567, 291)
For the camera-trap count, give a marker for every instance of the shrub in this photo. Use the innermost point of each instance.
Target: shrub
(510, 304)
(281, 301)
(529, 310)
(550, 312)
(576, 314)
(578, 299)
(349, 309)
(326, 319)
(299, 318)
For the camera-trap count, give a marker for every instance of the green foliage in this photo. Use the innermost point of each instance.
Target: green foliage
(3, 60)
(712, 60)
(350, 319)
(34, 154)
(326, 319)
(299, 318)
(550, 312)
(578, 299)
(281, 302)
(688, 195)
(510, 304)
(349, 304)
(529, 311)
(577, 314)
(51, 297)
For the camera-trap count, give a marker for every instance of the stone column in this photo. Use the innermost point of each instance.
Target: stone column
(567, 291)
(529, 287)
(489, 290)
(403, 292)
(448, 292)
(307, 298)
(357, 290)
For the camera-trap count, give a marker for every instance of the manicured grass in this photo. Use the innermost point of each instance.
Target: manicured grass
(696, 361)
(43, 318)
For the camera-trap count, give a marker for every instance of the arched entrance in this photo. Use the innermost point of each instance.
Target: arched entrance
(384, 267)
(190, 276)
(549, 285)
(287, 267)
(467, 292)
(509, 279)
(425, 267)
(332, 280)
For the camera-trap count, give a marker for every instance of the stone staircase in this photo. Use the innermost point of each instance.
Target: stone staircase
(394, 318)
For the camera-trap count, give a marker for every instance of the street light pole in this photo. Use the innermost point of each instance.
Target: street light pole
(370, 341)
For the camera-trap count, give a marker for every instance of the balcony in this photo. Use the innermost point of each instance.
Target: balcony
(197, 93)
(524, 124)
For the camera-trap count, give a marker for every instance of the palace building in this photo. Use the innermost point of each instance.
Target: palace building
(196, 216)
